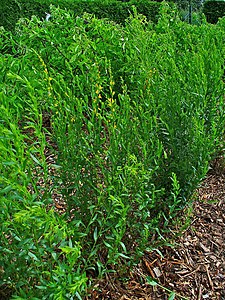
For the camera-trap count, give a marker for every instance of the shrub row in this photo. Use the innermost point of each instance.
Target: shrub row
(112, 125)
(116, 11)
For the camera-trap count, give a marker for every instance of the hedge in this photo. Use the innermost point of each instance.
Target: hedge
(214, 10)
(116, 11)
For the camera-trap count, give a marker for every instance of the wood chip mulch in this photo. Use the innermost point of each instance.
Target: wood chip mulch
(194, 268)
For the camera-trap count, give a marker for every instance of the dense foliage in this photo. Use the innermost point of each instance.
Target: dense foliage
(214, 10)
(114, 124)
(114, 10)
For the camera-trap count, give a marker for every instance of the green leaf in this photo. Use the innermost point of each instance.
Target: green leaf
(123, 246)
(9, 163)
(123, 255)
(172, 296)
(67, 249)
(35, 159)
(107, 245)
(151, 281)
(55, 166)
(32, 255)
(6, 189)
(96, 234)
(14, 76)
(78, 296)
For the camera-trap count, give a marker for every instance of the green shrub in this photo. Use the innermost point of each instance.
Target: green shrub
(12, 10)
(116, 11)
(135, 113)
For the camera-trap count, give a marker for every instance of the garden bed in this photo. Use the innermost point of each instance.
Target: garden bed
(193, 268)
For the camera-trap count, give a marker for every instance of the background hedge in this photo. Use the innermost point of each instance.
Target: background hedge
(116, 11)
(214, 10)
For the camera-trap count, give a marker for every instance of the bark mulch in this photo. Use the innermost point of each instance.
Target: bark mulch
(194, 268)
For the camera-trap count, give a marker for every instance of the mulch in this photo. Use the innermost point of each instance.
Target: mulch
(194, 268)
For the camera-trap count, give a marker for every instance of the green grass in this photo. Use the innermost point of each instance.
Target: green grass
(131, 116)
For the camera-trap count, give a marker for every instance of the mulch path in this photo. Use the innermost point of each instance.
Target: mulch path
(194, 268)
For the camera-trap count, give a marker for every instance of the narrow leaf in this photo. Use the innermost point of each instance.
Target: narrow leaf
(172, 296)
(151, 281)
(35, 159)
(96, 234)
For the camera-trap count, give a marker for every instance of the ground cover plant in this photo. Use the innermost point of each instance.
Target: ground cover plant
(116, 125)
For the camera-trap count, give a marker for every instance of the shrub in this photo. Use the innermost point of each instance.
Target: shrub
(12, 10)
(134, 114)
(116, 11)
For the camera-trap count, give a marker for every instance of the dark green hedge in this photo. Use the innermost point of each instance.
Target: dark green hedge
(12, 10)
(114, 10)
(214, 10)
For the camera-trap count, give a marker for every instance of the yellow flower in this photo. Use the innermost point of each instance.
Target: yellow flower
(111, 101)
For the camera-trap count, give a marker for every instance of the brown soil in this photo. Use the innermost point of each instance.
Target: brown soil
(194, 268)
